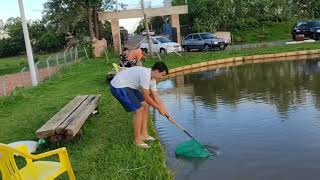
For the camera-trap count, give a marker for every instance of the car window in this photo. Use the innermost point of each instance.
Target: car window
(154, 41)
(163, 39)
(207, 36)
(302, 25)
(188, 37)
(314, 23)
(196, 36)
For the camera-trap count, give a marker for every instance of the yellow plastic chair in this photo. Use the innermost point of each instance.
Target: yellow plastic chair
(117, 67)
(34, 169)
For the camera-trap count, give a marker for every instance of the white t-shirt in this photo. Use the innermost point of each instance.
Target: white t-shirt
(135, 77)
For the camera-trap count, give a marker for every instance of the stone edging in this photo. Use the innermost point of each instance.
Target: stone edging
(234, 61)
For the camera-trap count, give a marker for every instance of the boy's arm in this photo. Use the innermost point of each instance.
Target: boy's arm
(158, 100)
(151, 101)
(148, 99)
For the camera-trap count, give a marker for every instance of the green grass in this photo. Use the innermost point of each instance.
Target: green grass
(267, 33)
(14, 64)
(105, 151)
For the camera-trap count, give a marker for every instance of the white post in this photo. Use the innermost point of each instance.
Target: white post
(28, 45)
(48, 68)
(57, 59)
(85, 51)
(76, 53)
(71, 53)
(65, 58)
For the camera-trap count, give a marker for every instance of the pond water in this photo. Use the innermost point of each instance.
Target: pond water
(265, 118)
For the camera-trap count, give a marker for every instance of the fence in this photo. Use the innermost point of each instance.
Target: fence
(44, 69)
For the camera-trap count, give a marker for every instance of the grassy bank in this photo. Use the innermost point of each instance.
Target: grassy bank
(272, 32)
(105, 151)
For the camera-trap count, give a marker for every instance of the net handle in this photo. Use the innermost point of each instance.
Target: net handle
(180, 127)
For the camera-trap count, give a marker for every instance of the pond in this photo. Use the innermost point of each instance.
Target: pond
(265, 118)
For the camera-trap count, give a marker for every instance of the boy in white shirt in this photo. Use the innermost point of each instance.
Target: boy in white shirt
(125, 88)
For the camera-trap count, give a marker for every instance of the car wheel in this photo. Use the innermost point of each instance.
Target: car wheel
(206, 47)
(187, 48)
(162, 51)
(145, 50)
(314, 36)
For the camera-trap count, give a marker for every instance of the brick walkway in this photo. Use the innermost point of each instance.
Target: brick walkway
(9, 83)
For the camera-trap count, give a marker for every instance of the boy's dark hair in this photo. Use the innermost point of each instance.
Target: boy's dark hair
(161, 67)
(125, 48)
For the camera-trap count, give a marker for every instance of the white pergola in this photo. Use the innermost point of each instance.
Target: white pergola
(173, 11)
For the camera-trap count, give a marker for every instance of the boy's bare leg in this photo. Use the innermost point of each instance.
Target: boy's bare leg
(137, 124)
(144, 124)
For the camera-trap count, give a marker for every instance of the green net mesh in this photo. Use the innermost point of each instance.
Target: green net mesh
(192, 149)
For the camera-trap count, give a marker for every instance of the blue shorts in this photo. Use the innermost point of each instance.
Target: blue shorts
(129, 98)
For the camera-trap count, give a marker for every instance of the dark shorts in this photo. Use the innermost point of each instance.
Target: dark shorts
(129, 98)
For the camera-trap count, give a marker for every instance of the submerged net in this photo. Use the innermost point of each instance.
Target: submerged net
(192, 149)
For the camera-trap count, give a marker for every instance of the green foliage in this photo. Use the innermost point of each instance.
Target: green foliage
(50, 42)
(140, 27)
(157, 24)
(41, 36)
(271, 32)
(243, 15)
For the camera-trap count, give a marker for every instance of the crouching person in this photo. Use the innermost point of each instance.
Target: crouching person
(131, 88)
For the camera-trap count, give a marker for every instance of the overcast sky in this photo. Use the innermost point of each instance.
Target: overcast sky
(33, 10)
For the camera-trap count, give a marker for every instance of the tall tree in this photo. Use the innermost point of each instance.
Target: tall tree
(69, 16)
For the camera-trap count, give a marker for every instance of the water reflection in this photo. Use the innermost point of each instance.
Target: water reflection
(283, 84)
(264, 117)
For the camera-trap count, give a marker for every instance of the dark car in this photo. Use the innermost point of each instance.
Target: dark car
(203, 41)
(310, 29)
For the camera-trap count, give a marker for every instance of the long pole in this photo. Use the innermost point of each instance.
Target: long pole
(28, 45)
(146, 27)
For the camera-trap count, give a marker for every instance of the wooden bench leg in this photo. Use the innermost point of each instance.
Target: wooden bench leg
(57, 138)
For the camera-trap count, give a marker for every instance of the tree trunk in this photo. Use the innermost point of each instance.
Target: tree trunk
(96, 23)
(92, 35)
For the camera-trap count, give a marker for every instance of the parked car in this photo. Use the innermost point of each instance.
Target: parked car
(152, 33)
(310, 29)
(203, 41)
(161, 45)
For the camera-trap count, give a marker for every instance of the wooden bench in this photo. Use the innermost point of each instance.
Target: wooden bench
(66, 124)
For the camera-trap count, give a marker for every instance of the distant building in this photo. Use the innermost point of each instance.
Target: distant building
(3, 35)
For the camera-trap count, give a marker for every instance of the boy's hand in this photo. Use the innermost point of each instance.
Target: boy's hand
(162, 111)
(171, 120)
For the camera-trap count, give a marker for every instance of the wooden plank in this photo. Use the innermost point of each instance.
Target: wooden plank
(74, 115)
(150, 12)
(72, 129)
(48, 128)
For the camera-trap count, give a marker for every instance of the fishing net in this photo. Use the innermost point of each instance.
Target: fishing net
(192, 149)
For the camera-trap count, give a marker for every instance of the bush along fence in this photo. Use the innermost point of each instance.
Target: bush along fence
(44, 69)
